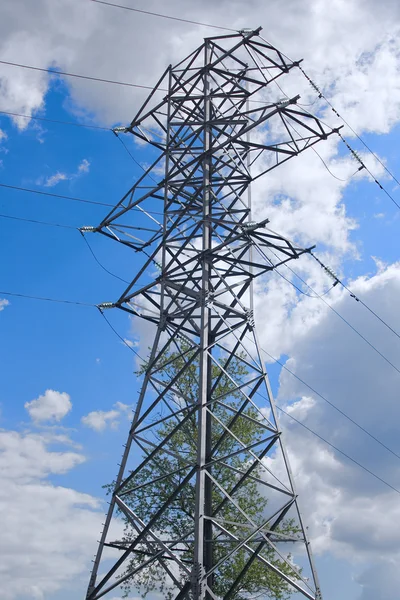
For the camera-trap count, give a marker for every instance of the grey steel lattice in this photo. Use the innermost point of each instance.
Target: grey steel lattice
(207, 251)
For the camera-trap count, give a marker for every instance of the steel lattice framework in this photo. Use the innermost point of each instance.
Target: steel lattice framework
(213, 128)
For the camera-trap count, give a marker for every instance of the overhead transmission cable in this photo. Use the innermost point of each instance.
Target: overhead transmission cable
(119, 336)
(351, 150)
(325, 399)
(78, 76)
(47, 120)
(338, 450)
(296, 420)
(71, 302)
(264, 67)
(363, 165)
(163, 16)
(98, 261)
(322, 95)
(36, 221)
(104, 204)
(363, 429)
(319, 296)
(73, 198)
(352, 294)
(45, 299)
(53, 195)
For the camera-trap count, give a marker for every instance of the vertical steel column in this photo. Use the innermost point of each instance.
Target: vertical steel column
(203, 508)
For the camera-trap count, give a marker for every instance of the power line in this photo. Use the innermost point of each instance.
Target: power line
(328, 169)
(356, 331)
(36, 222)
(321, 95)
(338, 314)
(73, 198)
(355, 155)
(76, 75)
(35, 118)
(61, 196)
(119, 336)
(263, 66)
(352, 151)
(354, 296)
(163, 16)
(320, 395)
(99, 263)
(296, 420)
(315, 296)
(314, 391)
(130, 153)
(340, 451)
(58, 301)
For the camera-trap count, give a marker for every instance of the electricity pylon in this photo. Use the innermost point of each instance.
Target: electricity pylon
(213, 126)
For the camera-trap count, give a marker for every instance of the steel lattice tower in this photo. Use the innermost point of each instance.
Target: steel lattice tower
(213, 128)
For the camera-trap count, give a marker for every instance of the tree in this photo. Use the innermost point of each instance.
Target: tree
(258, 581)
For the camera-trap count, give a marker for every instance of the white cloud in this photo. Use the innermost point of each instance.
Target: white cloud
(59, 525)
(344, 45)
(55, 179)
(349, 512)
(84, 166)
(3, 303)
(100, 419)
(51, 406)
(25, 458)
(3, 135)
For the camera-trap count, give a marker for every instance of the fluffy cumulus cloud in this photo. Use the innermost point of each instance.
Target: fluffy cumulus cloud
(59, 524)
(51, 406)
(350, 513)
(99, 420)
(342, 44)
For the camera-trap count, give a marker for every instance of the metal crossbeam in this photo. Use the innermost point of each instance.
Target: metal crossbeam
(203, 435)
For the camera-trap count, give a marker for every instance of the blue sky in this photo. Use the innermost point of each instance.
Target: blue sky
(70, 349)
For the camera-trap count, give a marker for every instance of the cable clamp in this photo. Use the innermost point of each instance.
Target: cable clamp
(87, 228)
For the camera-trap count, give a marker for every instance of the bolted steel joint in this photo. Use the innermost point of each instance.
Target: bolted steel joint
(196, 579)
